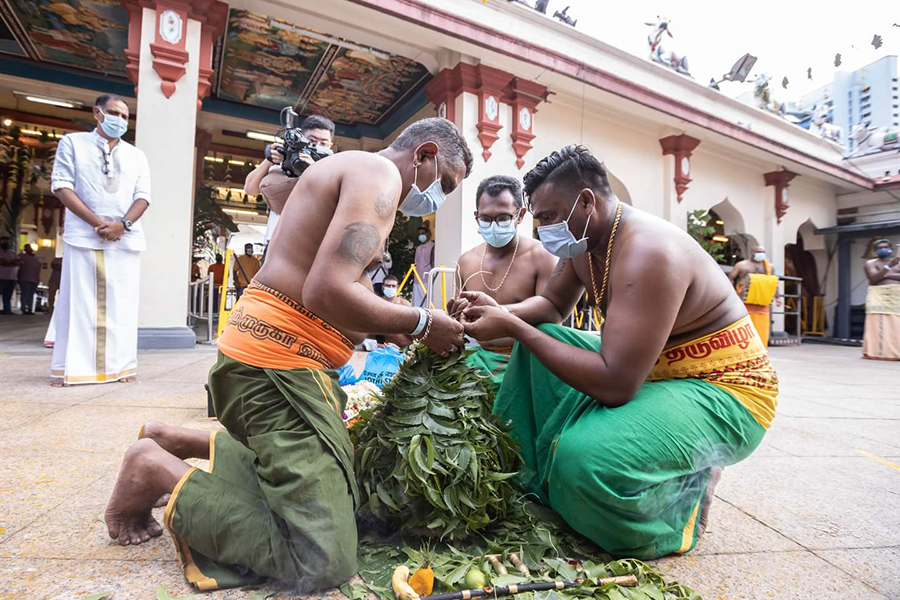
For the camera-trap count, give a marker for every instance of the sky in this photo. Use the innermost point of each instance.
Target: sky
(786, 36)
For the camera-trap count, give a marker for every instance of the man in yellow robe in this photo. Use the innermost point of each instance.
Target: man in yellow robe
(757, 286)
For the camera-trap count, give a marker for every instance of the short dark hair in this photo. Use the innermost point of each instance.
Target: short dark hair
(317, 122)
(103, 99)
(496, 185)
(248, 244)
(574, 164)
(219, 258)
(391, 278)
(452, 146)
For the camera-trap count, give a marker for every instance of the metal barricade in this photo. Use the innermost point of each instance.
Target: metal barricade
(201, 305)
(443, 272)
(791, 307)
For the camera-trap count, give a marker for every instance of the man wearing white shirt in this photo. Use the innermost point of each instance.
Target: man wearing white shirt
(104, 183)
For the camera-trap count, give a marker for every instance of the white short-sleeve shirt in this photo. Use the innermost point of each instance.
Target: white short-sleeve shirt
(108, 182)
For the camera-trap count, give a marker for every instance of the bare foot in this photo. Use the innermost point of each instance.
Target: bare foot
(57, 383)
(129, 379)
(147, 473)
(163, 501)
(714, 477)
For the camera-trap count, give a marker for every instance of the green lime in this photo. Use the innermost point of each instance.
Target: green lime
(475, 579)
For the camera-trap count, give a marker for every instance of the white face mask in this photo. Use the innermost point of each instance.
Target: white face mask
(759, 256)
(418, 203)
(389, 292)
(559, 241)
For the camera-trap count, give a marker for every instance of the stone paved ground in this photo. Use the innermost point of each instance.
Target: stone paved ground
(813, 514)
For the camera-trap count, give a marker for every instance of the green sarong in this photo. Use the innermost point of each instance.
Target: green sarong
(490, 363)
(630, 478)
(280, 497)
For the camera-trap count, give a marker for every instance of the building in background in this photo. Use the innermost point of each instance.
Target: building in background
(867, 96)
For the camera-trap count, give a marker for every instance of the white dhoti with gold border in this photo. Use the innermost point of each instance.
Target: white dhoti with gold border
(96, 316)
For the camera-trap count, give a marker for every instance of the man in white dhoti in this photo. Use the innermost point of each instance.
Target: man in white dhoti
(104, 183)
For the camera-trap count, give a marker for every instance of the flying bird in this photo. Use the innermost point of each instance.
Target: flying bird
(876, 41)
(784, 83)
(809, 73)
(837, 59)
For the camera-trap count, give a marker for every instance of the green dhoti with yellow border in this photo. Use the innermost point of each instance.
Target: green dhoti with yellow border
(280, 495)
(633, 478)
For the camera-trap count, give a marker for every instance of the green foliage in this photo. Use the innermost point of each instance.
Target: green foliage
(209, 220)
(432, 455)
(549, 549)
(699, 229)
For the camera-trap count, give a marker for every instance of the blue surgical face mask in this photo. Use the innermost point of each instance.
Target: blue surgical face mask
(389, 292)
(759, 256)
(113, 125)
(883, 253)
(559, 241)
(497, 235)
(422, 239)
(418, 203)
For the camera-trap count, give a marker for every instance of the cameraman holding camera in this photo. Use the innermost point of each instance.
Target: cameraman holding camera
(270, 180)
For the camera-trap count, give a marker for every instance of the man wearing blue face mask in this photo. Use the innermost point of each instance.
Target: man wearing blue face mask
(275, 386)
(104, 183)
(625, 436)
(881, 339)
(508, 266)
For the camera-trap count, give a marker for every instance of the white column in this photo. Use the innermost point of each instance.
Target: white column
(165, 132)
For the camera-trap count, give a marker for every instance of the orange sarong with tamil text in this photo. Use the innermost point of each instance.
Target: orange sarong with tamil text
(269, 330)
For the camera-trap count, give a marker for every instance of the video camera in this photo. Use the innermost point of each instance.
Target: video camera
(295, 144)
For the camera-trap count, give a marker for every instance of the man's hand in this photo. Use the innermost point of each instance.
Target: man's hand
(306, 158)
(275, 153)
(894, 262)
(466, 299)
(446, 334)
(488, 323)
(110, 231)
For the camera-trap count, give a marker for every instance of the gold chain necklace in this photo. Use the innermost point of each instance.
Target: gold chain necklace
(598, 297)
(508, 269)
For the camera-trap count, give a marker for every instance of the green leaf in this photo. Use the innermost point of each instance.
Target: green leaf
(508, 579)
(436, 427)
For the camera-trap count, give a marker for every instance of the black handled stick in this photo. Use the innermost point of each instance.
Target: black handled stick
(509, 590)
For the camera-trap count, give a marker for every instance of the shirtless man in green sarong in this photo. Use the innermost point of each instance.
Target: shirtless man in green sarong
(508, 266)
(280, 494)
(622, 438)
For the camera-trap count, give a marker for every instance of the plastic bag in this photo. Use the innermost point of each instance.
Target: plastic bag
(346, 375)
(381, 365)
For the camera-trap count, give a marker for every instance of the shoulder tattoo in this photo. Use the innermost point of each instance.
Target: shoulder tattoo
(359, 242)
(384, 203)
(558, 271)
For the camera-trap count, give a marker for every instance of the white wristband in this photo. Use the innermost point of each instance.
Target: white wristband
(423, 320)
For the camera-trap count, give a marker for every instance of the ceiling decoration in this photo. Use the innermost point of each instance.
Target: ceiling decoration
(86, 34)
(263, 62)
(271, 63)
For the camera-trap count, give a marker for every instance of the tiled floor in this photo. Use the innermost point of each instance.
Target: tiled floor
(813, 514)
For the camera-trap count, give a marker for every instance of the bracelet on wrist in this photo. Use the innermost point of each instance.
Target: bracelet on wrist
(427, 326)
(423, 319)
